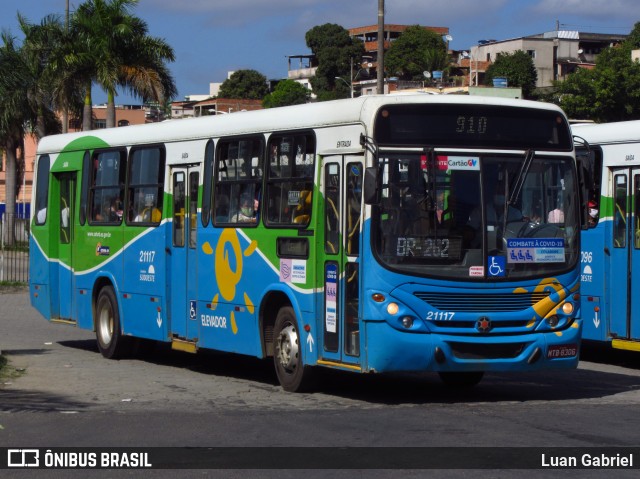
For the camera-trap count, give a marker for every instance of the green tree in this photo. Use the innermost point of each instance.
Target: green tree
(244, 85)
(415, 51)
(517, 68)
(633, 40)
(114, 50)
(286, 92)
(335, 52)
(609, 92)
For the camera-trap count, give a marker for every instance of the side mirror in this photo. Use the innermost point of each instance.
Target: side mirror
(371, 190)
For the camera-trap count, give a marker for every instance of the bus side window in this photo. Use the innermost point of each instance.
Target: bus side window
(107, 188)
(238, 179)
(42, 189)
(332, 205)
(354, 207)
(620, 212)
(146, 183)
(207, 186)
(289, 183)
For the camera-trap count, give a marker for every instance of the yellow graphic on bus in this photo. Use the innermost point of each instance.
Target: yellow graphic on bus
(548, 306)
(227, 278)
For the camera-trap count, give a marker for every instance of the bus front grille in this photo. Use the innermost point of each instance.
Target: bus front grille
(481, 303)
(486, 351)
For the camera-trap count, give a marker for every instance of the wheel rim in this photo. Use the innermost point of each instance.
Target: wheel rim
(287, 348)
(105, 324)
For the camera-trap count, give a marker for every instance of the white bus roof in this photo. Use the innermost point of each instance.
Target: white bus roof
(617, 132)
(311, 115)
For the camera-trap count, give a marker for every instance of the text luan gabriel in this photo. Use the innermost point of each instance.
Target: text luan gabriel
(588, 460)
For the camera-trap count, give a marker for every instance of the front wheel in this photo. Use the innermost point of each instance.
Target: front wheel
(111, 343)
(292, 374)
(461, 380)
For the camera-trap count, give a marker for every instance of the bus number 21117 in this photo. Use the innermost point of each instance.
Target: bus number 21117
(147, 256)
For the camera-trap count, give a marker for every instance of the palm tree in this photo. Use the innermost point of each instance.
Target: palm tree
(26, 99)
(114, 49)
(143, 70)
(15, 114)
(43, 53)
(52, 46)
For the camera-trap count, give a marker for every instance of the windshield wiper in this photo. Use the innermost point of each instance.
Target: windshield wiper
(522, 176)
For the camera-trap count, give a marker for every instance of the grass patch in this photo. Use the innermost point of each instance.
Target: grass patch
(13, 286)
(8, 372)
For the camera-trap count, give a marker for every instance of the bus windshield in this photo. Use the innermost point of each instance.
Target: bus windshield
(476, 216)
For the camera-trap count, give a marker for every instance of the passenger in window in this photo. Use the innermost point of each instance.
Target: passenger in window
(593, 214)
(102, 212)
(247, 210)
(556, 216)
(113, 212)
(147, 211)
(535, 214)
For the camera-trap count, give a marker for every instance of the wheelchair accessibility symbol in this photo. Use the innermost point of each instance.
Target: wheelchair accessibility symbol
(192, 309)
(496, 266)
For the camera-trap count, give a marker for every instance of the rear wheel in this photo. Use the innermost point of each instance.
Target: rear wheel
(111, 343)
(461, 380)
(293, 375)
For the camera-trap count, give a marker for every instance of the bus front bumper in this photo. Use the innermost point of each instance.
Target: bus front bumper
(388, 349)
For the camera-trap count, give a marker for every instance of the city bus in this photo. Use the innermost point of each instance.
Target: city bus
(373, 235)
(610, 258)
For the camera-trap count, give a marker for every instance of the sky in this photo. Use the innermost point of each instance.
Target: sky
(213, 37)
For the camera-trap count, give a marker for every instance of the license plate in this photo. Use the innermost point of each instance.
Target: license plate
(562, 351)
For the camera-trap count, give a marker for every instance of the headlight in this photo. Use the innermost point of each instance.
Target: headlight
(407, 321)
(552, 321)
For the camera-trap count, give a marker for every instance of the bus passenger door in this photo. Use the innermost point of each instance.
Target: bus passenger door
(624, 276)
(62, 216)
(182, 274)
(343, 207)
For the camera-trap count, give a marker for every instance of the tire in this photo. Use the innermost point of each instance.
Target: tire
(111, 343)
(462, 380)
(292, 374)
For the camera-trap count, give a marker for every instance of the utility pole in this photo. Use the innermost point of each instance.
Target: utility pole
(351, 75)
(380, 86)
(65, 109)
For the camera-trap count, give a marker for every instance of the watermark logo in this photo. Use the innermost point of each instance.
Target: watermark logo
(23, 458)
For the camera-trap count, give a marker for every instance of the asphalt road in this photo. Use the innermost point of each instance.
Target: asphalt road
(67, 395)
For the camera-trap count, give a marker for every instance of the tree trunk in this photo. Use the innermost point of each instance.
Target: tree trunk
(8, 232)
(65, 119)
(87, 112)
(111, 110)
(41, 129)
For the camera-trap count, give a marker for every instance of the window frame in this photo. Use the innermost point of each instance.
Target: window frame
(43, 173)
(206, 211)
(158, 186)
(275, 185)
(232, 189)
(120, 186)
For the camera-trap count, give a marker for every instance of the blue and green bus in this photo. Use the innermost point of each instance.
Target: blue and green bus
(376, 234)
(610, 258)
